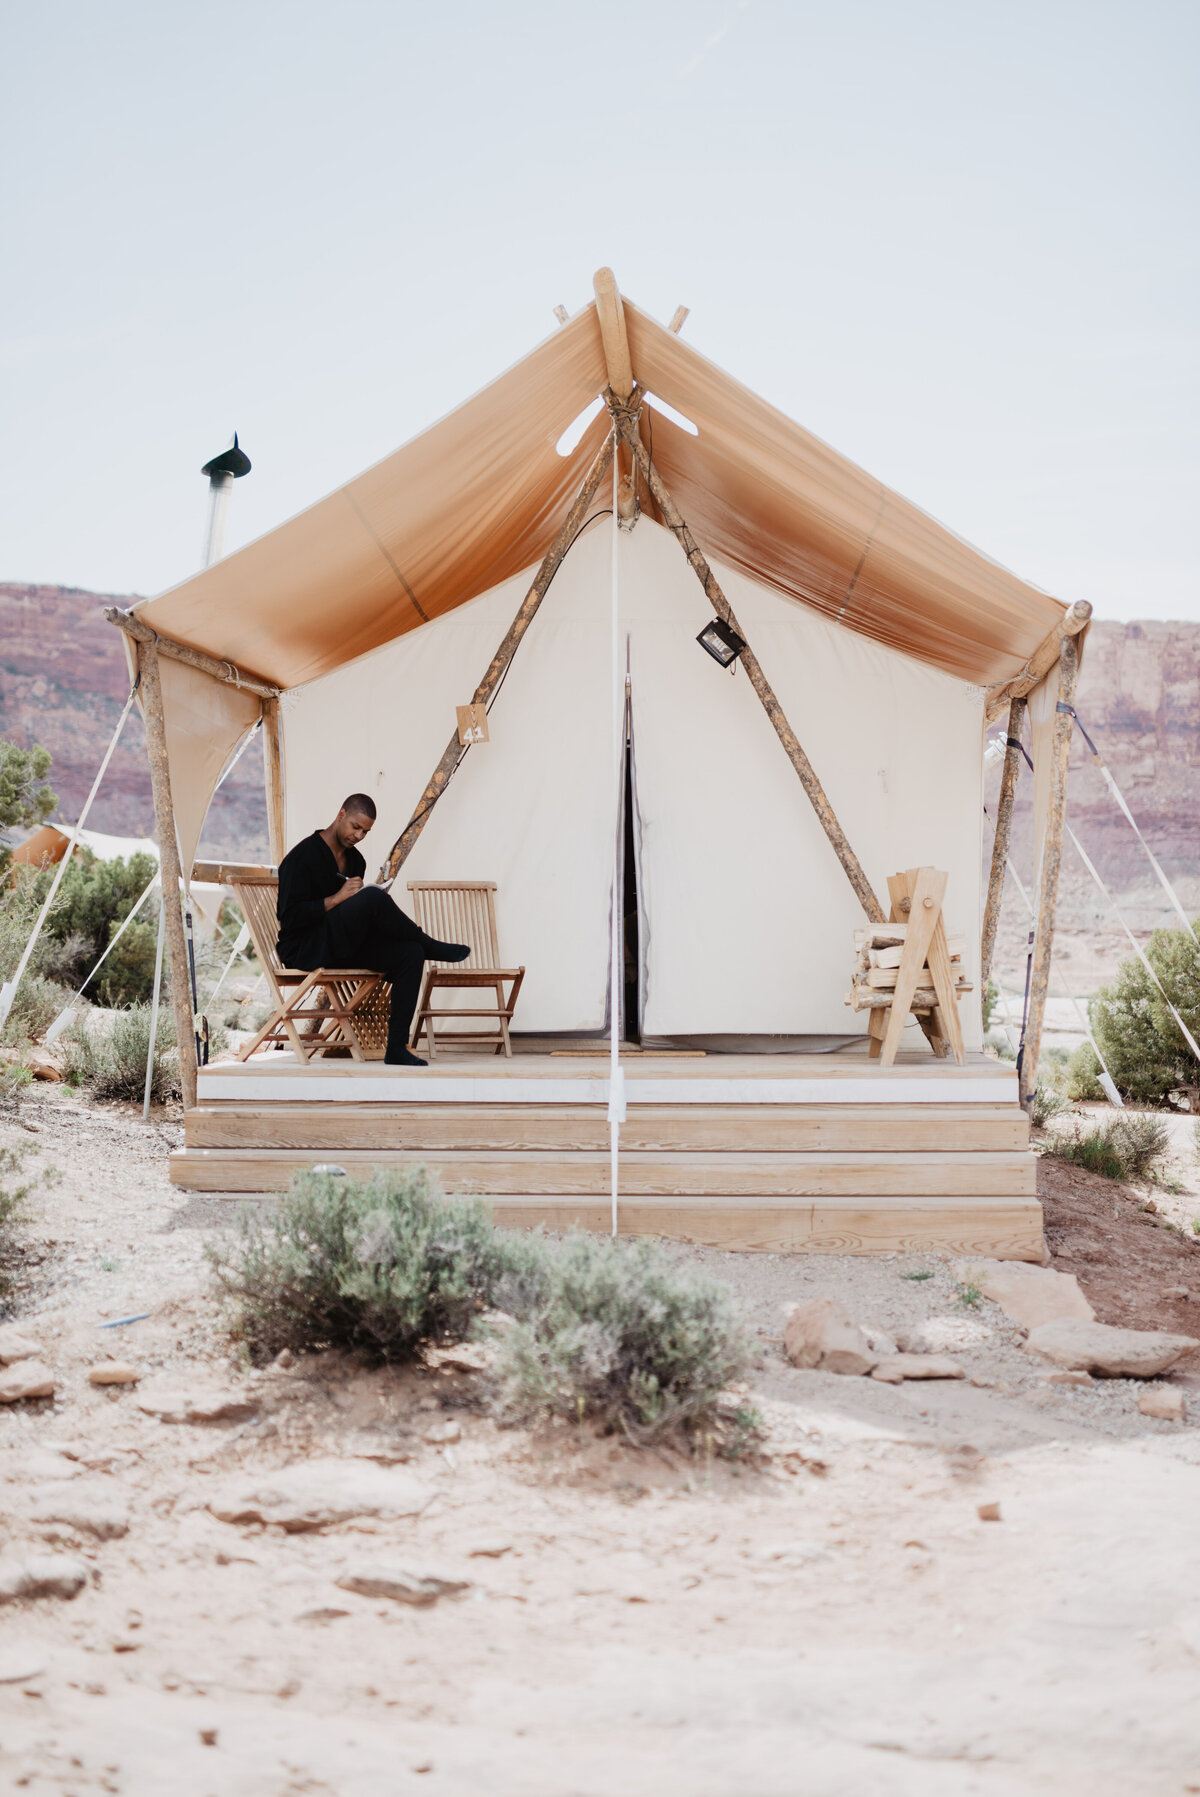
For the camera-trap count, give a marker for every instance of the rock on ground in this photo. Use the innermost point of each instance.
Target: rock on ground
(1162, 1401)
(1116, 1353)
(821, 1335)
(27, 1379)
(93, 1509)
(42, 1575)
(893, 1369)
(1029, 1295)
(317, 1493)
(16, 1346)
(202, 1406)
(399, 1582)
(113, 1372)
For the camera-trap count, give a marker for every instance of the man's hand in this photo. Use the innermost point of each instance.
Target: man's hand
(349, 888)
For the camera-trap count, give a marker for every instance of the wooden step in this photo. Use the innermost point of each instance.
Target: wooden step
(654, 1174)
(1006, 1228)
(860, 1129)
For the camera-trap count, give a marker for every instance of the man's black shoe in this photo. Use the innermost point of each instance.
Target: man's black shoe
(404, 1059)
(445, 951)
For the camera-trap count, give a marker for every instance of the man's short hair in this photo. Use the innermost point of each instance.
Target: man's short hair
(358, 801)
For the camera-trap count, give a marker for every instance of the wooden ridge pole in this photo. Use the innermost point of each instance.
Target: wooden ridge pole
(192, 658)
(1073, 622)
(169, 868)
(626, 422)
(273, 778)
(1004, 817)
(1051, 860)
(610, 310)
(454, 750)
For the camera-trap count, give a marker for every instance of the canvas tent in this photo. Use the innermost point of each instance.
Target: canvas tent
(358, 626)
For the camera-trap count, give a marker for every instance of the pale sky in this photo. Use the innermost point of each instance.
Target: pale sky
(957, 241)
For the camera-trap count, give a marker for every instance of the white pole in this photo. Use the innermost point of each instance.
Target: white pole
(220, 488)
(616, 1076)
(8, 991)
(158, 961)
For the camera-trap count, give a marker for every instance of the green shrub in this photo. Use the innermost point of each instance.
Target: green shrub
(1121, 1147)
(1083, 1075)
(378, 1266)
(1048, 1101)
(25, 800)
(94, 898)
(618, 1332)
(611, 1331)
(1139, 1039)
(107, 1054)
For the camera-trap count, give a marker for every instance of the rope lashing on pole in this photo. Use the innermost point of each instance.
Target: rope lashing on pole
(10, 988)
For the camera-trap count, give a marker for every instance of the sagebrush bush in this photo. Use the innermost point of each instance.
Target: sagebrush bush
(378, 1266)
(1127, 1147)
(619, 1333)
(107, 1054)
(1048, 1101)
(34, 1009)
(15, 1081)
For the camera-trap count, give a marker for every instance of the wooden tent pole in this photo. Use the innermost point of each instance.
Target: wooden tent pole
(1068, 672)
(1004, 817)
(273, 777)
(454, 750)
(192, 658)
(169, 868)
(627, 425)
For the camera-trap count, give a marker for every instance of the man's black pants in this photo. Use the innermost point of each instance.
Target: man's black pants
(370, 930)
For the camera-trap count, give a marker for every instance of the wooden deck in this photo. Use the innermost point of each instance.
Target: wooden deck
(828, 1153)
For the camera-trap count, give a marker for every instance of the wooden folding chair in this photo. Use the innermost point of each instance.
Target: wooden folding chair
(464, 911)
(339, 1007)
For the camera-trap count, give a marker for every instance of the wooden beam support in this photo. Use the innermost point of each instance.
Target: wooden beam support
(677, 319)
(192, 658)
(455, 750)
(172, 872)
(273, 777)
(1073, 622)
(627, 425)
(611, 313)
(1051, 860)
(1000, 845)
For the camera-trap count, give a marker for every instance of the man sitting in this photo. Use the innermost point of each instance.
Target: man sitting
(328, 918)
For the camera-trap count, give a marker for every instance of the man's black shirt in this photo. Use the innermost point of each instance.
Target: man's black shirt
(308, 875)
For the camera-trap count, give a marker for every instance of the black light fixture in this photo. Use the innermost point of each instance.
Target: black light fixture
(722, 643)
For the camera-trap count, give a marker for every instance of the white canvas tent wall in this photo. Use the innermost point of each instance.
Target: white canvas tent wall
(377, 610)
(747, 915)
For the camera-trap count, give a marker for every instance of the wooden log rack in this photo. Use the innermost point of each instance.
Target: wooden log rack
(910, 966)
